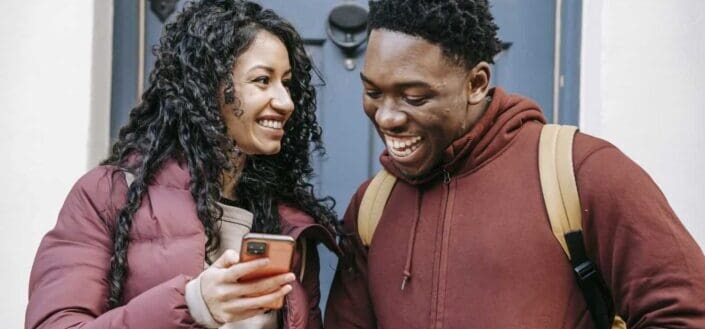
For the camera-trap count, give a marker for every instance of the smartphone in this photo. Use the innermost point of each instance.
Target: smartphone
(280, 251)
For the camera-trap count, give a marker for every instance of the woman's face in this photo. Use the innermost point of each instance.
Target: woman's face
(262, 105)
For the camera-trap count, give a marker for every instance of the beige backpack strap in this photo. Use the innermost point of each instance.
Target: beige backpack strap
(560, 192)
(372, 205)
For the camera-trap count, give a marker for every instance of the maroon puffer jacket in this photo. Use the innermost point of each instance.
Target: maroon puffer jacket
(68, 284)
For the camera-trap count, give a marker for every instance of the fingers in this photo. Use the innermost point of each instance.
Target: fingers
(227, 259)
(236, 271)
(264, 285)
(241, 305)
(264, 300)
(228, 317)
(261, 287)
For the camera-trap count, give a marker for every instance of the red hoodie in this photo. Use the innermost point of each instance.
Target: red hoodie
(472, 241)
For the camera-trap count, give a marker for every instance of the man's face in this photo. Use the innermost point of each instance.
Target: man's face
(416, 97)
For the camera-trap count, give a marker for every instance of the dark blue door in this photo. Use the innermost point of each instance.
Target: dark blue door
(526, 67)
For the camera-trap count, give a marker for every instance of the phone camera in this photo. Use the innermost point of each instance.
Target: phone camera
(256, 248)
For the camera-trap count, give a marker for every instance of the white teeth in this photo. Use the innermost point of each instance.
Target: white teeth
(271, 124)
(402, 147)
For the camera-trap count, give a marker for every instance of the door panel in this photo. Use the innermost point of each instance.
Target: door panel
(527, 66)
(352, 145)
(347, 134)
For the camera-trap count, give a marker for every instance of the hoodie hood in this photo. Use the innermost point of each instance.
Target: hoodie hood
(496, 128)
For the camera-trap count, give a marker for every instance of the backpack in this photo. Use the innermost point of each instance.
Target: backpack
(560, 195)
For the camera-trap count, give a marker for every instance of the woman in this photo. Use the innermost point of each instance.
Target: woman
(219, 145)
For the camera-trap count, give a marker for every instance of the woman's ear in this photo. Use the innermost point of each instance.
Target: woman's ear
(478, 83)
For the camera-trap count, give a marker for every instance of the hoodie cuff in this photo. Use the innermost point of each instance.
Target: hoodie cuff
(197, 305)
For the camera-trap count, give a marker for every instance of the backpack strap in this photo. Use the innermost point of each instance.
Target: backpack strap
(373, 202)
(558, 181)
(560, 195)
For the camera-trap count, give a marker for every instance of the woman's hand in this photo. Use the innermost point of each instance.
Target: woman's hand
(225, 297)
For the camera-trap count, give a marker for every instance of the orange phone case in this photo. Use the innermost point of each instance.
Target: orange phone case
(280, 251)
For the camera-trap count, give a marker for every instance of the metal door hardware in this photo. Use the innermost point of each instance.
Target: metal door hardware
(347, 28)
(163, 8)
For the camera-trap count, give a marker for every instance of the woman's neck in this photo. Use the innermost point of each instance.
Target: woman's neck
(231, 177)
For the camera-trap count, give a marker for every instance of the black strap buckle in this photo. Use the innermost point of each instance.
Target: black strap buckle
(585, 270)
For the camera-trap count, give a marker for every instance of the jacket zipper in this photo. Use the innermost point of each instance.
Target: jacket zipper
(446, 186)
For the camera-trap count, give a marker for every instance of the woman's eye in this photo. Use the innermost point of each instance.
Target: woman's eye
(287, 84)
(415, 100)
(262, 80)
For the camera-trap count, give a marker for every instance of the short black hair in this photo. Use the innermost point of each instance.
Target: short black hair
(464, 29)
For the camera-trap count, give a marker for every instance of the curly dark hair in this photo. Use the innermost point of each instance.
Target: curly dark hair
(178, 118)
(464, 29)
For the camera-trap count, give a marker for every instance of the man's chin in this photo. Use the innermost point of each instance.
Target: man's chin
(412, 173)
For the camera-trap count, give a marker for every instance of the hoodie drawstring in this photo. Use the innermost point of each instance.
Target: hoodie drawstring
(412, 240)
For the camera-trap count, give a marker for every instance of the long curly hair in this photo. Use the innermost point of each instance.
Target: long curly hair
(178, 118)
(464, 29)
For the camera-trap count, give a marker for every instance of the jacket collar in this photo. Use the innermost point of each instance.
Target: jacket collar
(294, 222)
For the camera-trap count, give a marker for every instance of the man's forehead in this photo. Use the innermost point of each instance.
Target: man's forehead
(392, 54)
(390, 45)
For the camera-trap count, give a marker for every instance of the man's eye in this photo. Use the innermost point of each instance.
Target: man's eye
(373, 94)
(415, 100)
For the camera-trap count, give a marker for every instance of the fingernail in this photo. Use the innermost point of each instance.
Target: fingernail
(287, 288)
(290, 277)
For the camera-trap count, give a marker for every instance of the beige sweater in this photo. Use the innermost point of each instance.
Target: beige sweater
(235, 224)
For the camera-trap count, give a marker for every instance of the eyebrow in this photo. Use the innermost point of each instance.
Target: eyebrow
(266, 68)
(400, 85)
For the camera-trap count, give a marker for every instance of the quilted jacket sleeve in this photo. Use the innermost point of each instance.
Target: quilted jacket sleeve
(302, 311)
(349, 304)
(68, 285)
(311, 285)
(655, 269)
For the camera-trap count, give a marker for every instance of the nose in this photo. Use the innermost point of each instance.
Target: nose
(389, 118)
(281, 99)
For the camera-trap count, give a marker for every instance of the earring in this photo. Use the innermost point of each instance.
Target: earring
(238, 112)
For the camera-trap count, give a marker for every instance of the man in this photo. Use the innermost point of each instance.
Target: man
(464, 240)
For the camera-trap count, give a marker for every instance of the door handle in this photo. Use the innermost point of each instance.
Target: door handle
(347, 28)
(163, 8)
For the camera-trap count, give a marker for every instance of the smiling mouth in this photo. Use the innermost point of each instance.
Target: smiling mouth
(402, 147)
(272, 124)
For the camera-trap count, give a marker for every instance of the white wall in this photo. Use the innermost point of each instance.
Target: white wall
(643, 89)
(54, 111)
